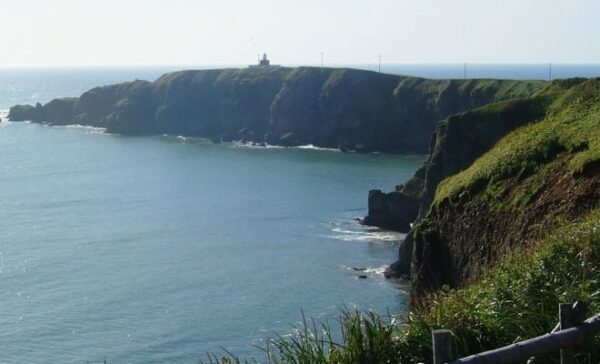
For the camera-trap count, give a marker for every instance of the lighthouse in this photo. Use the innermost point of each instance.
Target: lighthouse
(264, 61)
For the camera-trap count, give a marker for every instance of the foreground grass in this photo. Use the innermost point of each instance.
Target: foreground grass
(516, 300)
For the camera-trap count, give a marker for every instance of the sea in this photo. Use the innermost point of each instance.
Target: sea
(162, 249)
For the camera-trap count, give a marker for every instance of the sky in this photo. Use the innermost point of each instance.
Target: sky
(228, 32)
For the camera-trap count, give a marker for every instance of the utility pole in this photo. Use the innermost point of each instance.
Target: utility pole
(465, 70)
(322, 59)
(550, 72)
(380, 63)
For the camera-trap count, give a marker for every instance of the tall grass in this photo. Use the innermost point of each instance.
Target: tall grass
(358, 337)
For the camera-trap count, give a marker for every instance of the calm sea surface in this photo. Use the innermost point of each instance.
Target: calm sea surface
(159, 249)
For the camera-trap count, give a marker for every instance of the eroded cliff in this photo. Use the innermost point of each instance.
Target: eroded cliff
(500, 178)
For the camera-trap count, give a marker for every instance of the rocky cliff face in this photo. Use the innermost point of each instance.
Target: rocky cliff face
(452, 150)
(336, 108)
(456, 144)
(498, 179)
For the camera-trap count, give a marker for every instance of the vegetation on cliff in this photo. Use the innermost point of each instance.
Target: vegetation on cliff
(571, 128)
(542, 174)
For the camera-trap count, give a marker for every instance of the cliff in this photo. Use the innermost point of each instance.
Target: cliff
(335, 108)
(499, 179)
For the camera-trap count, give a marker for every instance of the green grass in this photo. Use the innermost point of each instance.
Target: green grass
(362, 338)
(572, 127)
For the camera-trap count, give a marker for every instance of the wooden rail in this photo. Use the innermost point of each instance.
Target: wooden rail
(570, 332)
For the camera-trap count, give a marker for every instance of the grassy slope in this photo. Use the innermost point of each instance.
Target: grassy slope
(572, 127)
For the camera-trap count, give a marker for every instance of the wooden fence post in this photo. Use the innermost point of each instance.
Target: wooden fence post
(565, 313)
(442, 347)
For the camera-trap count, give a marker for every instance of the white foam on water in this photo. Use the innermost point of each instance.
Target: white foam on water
(253, 145)
(368, 270)
(87, 128)
(366, 235)
(376, 270)
(369, 273)
(313, 147)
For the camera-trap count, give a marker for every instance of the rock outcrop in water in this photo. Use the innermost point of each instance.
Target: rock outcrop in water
(333, 108)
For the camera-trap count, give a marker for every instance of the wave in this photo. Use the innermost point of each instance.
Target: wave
(254, 145)
(313, 147)
(366, 235)
(186, 139)
(87, 128)
(365, 272)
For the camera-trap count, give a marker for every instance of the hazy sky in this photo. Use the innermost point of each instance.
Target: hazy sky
(202, 32)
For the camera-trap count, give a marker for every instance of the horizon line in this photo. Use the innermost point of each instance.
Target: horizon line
(332, 64)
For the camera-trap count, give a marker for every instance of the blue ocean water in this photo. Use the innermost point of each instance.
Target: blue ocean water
(159, 249)
(148, 250)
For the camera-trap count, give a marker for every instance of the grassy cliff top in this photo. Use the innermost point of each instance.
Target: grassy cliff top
(571, 129)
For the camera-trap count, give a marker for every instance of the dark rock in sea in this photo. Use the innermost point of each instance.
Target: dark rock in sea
(393, 210)
(362, 276)
(23, 112)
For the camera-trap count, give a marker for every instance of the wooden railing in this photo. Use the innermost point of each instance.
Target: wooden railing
(569, 332)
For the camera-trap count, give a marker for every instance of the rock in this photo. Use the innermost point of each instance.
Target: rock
(362, 276)
(401, 267)
(393, 210)
(22, 113)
